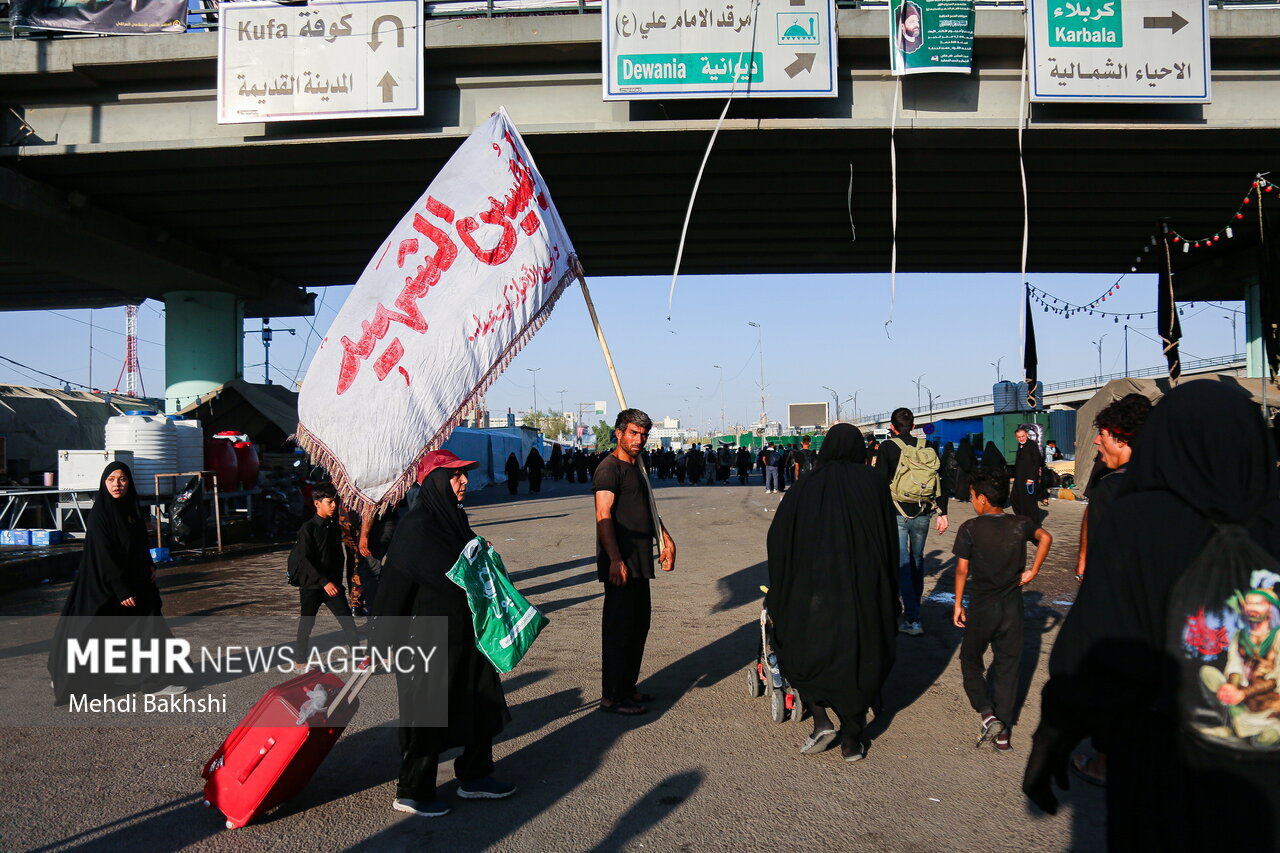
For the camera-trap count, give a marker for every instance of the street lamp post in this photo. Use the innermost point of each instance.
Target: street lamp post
(534, 371)
(855, 406)
(835, 396)
(764, 412)
(996, 365)
(917, 381)
(1098, 344)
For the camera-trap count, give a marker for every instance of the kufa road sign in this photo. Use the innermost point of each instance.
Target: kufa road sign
(1128, 51)
(356, 59)
(675, 49)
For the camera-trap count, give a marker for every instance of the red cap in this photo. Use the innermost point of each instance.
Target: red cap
(441, 459)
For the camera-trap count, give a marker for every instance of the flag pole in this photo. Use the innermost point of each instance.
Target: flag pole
(622, 401)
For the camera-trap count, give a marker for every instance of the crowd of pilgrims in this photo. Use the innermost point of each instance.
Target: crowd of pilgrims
(707, 464)
(1200, 463)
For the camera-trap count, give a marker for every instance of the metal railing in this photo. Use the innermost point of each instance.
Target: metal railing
(202, 15)
(1188, 367)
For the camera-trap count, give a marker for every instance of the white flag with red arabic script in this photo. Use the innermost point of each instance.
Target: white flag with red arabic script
(451, 295)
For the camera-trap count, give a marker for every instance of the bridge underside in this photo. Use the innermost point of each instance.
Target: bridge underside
(117, 184)
(771, 201)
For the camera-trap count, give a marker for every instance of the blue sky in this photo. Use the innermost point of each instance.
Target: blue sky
(817, 329)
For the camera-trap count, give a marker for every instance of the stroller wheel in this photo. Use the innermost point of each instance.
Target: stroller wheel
(778, 706)
(797, 707)
(755, 687)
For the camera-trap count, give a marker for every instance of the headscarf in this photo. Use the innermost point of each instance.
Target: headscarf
(964, 455)
(843, 443)
(1187, 449)
(993, 459)
(123, 515)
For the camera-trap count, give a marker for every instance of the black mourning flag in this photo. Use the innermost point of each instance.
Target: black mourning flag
(1167, 314)
(1029, 360)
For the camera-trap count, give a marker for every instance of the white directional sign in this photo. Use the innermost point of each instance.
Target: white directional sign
(676, 49)
(323, 60)
(1128, 51)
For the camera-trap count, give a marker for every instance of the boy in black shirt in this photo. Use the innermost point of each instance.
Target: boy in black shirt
(991, 561)
(321, 560)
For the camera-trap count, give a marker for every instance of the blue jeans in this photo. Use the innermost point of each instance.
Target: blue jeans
(911, 534)
(771, 477)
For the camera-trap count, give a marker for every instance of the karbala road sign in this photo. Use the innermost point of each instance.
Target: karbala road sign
(674, 49)
(1128, 51)
(356, 59)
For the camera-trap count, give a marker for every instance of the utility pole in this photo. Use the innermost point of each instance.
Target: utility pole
(1126, 347)
(90, 349)
(764, 412)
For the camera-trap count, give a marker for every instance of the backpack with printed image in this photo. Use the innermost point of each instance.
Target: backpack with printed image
(1224, 634)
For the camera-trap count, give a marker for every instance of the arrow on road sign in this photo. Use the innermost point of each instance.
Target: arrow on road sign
(1173, 23)
(804, 62)
(387, 83)
(375, 43)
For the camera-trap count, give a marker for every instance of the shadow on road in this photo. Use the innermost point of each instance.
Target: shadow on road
(548, 769)
(742, 587)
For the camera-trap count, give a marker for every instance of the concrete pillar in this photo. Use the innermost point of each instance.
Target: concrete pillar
(203, 342)
(1254, 353)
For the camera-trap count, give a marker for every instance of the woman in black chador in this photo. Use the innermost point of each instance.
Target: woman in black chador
(114, 594)
(833, 589)
(993, 460)
(1205, 462)
(414, 583)
(965, 463)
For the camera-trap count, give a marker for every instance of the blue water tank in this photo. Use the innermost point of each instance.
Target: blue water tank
(1004, 397)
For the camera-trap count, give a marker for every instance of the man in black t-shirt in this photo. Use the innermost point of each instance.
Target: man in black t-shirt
(624, 563)
(802, 458)
(991, 560)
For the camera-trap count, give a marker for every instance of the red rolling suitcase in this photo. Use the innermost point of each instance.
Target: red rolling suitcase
(271, 754)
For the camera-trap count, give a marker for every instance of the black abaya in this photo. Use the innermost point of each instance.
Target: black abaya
(1110, 675)
(833, 579)
(1028, 464)
(993, 460)
(427, 542)
(115, 566)
(965, 464)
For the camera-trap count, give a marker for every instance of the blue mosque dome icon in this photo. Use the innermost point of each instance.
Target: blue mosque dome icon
(796, 32)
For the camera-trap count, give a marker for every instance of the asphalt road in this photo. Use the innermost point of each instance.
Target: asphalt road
(705, 770)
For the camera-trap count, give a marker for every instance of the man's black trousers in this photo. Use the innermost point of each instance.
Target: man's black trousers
(311, 599)
(623, 631)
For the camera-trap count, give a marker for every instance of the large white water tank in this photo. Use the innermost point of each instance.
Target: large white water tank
(154, 442)
(190, 444)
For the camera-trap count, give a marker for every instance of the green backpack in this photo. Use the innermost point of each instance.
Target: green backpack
(916, 479)
(505, 623)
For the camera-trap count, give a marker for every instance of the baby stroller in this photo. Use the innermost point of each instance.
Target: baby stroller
(764, 677)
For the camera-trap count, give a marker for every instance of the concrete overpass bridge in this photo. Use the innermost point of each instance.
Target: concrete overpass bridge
(1072, 393)
(117, 184)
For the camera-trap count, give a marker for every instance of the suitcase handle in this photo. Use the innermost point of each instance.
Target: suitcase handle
(352, 688)
(262, 753)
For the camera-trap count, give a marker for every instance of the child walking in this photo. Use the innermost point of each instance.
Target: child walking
(321, 557)
(991, 566)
